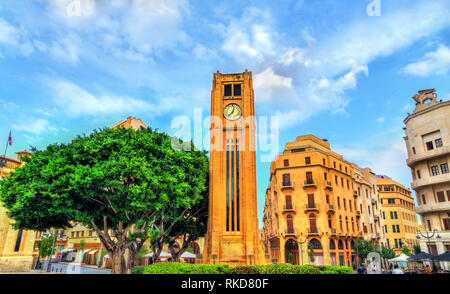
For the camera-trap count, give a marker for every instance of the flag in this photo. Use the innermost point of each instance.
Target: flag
(9, 139)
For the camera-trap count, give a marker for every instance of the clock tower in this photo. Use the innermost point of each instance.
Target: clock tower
(233, 235)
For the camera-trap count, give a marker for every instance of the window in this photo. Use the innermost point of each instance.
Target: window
(418, 174)
(227, 92)
(448, 195)
(348, 185)
(429, 225)
(286, 162)
(391, 200)
(438, 143)
(395, 214)
(368, 209)
(345, 204)
(18, 240)
(339, 202)
(385, 228)
(237, 90)
(340, 166)
(286, 180)
(345, 169)
(298, 150)
(424, 201)
(446, 224)
(398, 229)
(384, 217)
(444, 168)
(396, 243)
(325, 176)
(393, 228)
(429, 145)
(324, 163)
(392, 215)
(309, 178)
(342, 182)
(307, 160)
(435, 170)
(414, 150)
(334, 164)
(441, 196)
(336, 179)
(328, 199)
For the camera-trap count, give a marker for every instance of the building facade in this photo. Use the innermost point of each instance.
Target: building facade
(369, 203)
(427, 139)
(232, 236)
(311, 200)
(399, 214)
(16, 246)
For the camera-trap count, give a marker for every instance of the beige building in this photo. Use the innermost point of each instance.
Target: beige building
(399, 214)
(427, 139)
(16, 246)
(372, 224)
(311, 200)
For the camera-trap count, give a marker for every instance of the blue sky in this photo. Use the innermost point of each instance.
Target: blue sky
(324, 67)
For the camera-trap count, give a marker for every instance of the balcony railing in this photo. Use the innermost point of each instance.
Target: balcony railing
(313, 231)
(376, 218)
(289, 208)
(333, 232)
(374, 202)
(287, 185)
(331, 208)
(358, 213)
(355, 193)
(329, 185)
(309, 183)
(289, 232)
(311, 207)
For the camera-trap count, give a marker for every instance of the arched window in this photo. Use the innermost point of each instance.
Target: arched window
(195, 247)
(332, 244)
(352, 244)
(316, 243)
(340, 244)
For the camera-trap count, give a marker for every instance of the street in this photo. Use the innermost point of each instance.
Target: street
(74, 268)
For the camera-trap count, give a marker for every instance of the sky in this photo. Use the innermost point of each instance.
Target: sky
(328, 68)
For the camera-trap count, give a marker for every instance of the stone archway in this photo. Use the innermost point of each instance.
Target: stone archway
(291, 247)
(318, 251)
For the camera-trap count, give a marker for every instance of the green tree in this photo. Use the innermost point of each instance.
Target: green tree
(45, 246)
(290, 258)
(387, 253)
(417, 249)
(311, 252)
(406, 250)
(113, 181)
(82, 244)
(363, 248)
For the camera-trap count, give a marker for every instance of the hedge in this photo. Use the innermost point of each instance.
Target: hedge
(187, 268)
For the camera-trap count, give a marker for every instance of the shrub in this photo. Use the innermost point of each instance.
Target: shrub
(186, 268)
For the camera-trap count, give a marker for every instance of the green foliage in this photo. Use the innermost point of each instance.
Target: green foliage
(290, 258)
(186, 268)
(181, 268)
(144, 250)
(190, 250)
(364, 247)
(417, 249)
(82, 244)
(45, 246)
(311, 252)
(406, 250)
(387, 253)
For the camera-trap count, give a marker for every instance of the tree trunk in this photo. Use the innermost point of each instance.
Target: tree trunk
(117, 262)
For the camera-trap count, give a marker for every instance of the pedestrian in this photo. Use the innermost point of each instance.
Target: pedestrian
(397, 271)
(361, 269)
(374, 268)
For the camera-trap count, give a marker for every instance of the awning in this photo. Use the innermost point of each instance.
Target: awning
(401, 258)
(188, 255)
(422, 256)
(443, 257)
(93, 252)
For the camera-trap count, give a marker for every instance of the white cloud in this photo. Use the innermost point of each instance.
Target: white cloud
(268, 85)
(434, 63)
(75, 101)
(35, 126)
(380, 120)
(14, 38)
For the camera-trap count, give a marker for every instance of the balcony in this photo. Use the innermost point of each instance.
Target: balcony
(313, 232)
(413, 159)
(333, 232)
(289, 208)
(432, 180)
(287, 185)
(329, 186)
(355, 193)
(358, 213)
(309, 184)
(289, 232)
(374, 202)
(376, 218)
(311, 207)
(376, 236)
(331, 208)
(434, 207)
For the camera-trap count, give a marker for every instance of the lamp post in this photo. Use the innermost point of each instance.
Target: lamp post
(429, 237)
(301, 247)
(54, 236)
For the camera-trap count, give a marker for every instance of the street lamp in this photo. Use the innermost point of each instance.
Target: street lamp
(301, 247)
(429, 237)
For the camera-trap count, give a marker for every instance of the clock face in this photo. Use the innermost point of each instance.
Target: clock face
(232, 111)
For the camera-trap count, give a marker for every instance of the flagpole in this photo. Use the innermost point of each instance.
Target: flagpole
(7, 143)
(3, 161)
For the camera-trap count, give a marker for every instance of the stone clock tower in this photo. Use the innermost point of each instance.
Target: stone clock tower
(233, 236)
